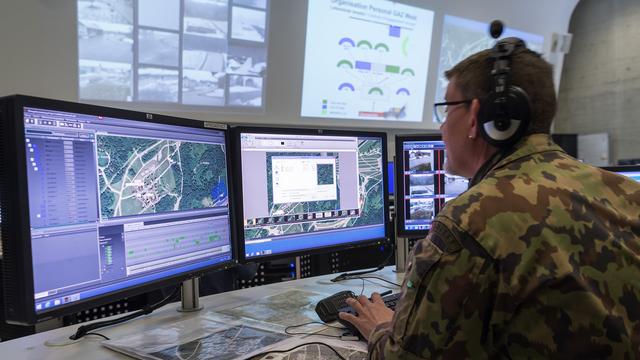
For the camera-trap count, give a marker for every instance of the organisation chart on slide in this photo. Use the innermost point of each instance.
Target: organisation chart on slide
(371, 67)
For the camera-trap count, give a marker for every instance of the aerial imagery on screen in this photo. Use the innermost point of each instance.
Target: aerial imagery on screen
(462, 37)
(371, 67)
(148, 176)
(210, 53)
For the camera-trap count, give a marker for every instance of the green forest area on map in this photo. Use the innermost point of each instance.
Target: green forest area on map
(141, 176)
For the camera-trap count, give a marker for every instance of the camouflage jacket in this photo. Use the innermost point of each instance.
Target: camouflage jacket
(540, 258)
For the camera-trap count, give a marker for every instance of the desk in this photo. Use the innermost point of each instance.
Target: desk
(32, 347)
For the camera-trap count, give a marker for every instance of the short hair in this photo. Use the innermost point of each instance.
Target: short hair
(528, 71)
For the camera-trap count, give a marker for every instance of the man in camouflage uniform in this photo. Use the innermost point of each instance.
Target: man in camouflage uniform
(540, 258)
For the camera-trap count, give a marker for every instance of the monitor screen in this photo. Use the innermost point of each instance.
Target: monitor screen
(373, 67)
(304, 191)
(632, 171)
(423, 186)
(173, 54)
(390, 177)
(137, 201)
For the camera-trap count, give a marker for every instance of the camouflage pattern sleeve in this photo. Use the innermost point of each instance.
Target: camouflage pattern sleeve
(445, 296)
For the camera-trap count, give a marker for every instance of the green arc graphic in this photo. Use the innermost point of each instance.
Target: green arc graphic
(376, 90)
(382, 46)
(405, 46)
(408, 71)
(345, 62)
(364, 43)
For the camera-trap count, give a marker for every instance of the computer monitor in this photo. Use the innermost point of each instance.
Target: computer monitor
(390, 178)
(632, 171)
(100, 204)
(423, 187)
(308, 191)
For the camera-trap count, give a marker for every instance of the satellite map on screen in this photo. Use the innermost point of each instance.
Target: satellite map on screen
(142, 175)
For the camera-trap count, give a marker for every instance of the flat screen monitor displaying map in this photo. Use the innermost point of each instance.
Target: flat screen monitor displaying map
(373, 67)
(107, 203)
(423, 186)
(305, 191)
(632, 171)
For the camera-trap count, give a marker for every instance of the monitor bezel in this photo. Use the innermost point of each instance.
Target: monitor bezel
(26, 314)
(622, 168)
(239, 211)
(399, 187)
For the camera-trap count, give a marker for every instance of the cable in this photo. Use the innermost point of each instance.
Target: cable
(84, 329)
(286, 330)
(297, 346)
(193, 353)
(346, 275)
(375, 277)
(97, 334)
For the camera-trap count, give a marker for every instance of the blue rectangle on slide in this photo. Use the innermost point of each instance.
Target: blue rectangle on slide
(394, 31)
(363, 65)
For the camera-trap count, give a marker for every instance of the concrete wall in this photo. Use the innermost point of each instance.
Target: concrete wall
(600, 85)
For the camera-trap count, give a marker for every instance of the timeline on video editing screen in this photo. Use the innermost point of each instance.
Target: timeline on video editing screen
(305, 191)
(426, 185)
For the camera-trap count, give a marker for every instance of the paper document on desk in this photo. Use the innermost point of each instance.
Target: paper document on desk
(196, 339)
(292, 307)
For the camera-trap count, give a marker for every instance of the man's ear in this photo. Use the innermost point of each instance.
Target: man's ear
(474, 110)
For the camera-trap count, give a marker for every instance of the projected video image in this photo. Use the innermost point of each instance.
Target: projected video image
(158, 48)
(245, 90)
(248, 24)
(208, 18)
(155, 85)
(371, 67)
(421, 160)
(204, 43)
(421, 209)
(244, 60)
(262, 4)
(112, 81)
(203, 88)
(462, 37)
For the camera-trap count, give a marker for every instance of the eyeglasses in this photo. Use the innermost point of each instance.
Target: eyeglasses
(441, 109)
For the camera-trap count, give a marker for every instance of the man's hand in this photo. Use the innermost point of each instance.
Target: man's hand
(370, 313)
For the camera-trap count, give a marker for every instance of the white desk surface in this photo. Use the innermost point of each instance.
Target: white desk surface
(32, 347)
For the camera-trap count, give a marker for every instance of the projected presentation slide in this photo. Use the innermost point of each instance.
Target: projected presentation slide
(371, 67)
(210, 53)
(462, 37)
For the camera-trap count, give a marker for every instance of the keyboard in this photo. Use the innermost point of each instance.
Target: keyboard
(390, 300)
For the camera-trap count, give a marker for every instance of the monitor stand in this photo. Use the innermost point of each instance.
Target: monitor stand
(190, 303)
(190, 295)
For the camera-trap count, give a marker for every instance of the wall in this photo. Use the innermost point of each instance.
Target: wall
(39, 55)
(601, 77)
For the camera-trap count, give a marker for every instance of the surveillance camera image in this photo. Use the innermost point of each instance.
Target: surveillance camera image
(181, 52)
(424, 187)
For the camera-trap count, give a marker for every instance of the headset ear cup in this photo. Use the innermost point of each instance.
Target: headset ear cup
(513, 108)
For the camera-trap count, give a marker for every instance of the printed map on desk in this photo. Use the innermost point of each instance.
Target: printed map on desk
(350, 350)
(196, 339)
(292, 307)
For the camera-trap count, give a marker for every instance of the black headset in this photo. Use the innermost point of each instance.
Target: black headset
(505, 113)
